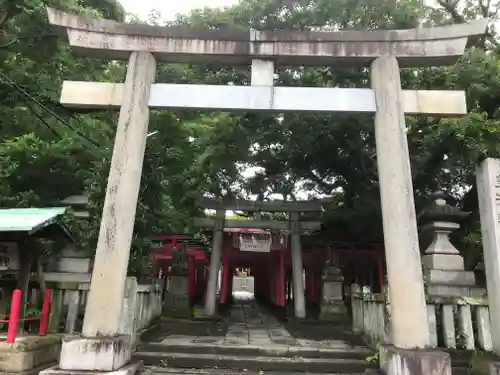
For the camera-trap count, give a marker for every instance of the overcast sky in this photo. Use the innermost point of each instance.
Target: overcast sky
(169, 8)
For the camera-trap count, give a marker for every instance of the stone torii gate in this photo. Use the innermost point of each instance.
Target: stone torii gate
(295, 226)
(142, 46)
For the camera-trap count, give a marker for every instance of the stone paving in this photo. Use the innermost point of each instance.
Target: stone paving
(252, 326)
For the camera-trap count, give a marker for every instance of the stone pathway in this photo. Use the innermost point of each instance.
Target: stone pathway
(252, 326)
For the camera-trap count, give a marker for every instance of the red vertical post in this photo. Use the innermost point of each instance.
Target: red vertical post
(272, 281)
(380, 266)
(230, 283)
(224, 276)
(14, 316)
(44, 321)
(191, 275)
(199, 280)
(319, 285)
(278, 279)
(282, 279)
(312, 285)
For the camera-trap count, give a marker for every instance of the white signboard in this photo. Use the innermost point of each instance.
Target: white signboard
(257, 246)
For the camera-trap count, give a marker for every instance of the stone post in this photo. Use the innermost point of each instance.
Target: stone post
(409, 324)
(488, 187)
(103, 346)
(297, 269)
(213, 272)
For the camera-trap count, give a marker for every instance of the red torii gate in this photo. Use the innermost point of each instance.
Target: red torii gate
(268, 268)
(197, 260)
(272, 270)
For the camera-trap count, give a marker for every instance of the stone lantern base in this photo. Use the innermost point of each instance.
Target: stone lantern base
(177, 304)
(332, 305)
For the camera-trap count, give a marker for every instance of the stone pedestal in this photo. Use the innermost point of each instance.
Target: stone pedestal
(73, 261)
(177, 303)
(396, 361)
(29, 355)
(332, 303)
(97, 355)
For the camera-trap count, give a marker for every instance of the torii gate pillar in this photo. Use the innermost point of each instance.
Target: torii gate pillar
(404, 268)
(104, 345)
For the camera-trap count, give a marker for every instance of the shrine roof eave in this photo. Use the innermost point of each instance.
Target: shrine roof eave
(412, 47)
(17, 223)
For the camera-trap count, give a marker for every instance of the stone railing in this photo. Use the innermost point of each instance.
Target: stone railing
(369, 316)
(69, 299)
(149, 301)
(455, 322)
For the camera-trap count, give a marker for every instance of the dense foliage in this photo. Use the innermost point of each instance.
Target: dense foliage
(48, 152)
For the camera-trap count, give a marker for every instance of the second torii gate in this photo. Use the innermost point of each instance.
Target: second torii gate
(295, 226)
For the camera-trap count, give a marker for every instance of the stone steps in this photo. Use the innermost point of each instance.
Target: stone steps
(214, 359)
(254, 363)
(260, 351)
(182, 371)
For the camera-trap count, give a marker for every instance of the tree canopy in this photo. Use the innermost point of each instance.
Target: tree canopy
(48, 152)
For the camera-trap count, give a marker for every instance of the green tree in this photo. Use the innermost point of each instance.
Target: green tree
(199, 153)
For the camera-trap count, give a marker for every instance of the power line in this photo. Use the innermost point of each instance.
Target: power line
(38, 116)
(55, 106)
(52, 113)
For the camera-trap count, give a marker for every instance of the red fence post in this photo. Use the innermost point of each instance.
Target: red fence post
(282, 279)
(44, 320)
(14, 316)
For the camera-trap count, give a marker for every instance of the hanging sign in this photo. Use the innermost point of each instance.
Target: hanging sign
(255, 245)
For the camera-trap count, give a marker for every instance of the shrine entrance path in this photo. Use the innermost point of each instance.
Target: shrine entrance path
(253, 341)
(252, 326)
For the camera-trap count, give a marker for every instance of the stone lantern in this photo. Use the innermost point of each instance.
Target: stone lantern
(445, 273)
(332, 304)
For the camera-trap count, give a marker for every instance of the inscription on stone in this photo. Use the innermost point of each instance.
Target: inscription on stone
(496, 188)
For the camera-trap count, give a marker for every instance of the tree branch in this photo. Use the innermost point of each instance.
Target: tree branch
(451, 8)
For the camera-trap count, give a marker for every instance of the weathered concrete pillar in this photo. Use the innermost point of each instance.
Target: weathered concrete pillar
(213, 272)
(409, 325)
(404, 269)
(297, 269)
(104, 304)
(107, 330)
(488, 188)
